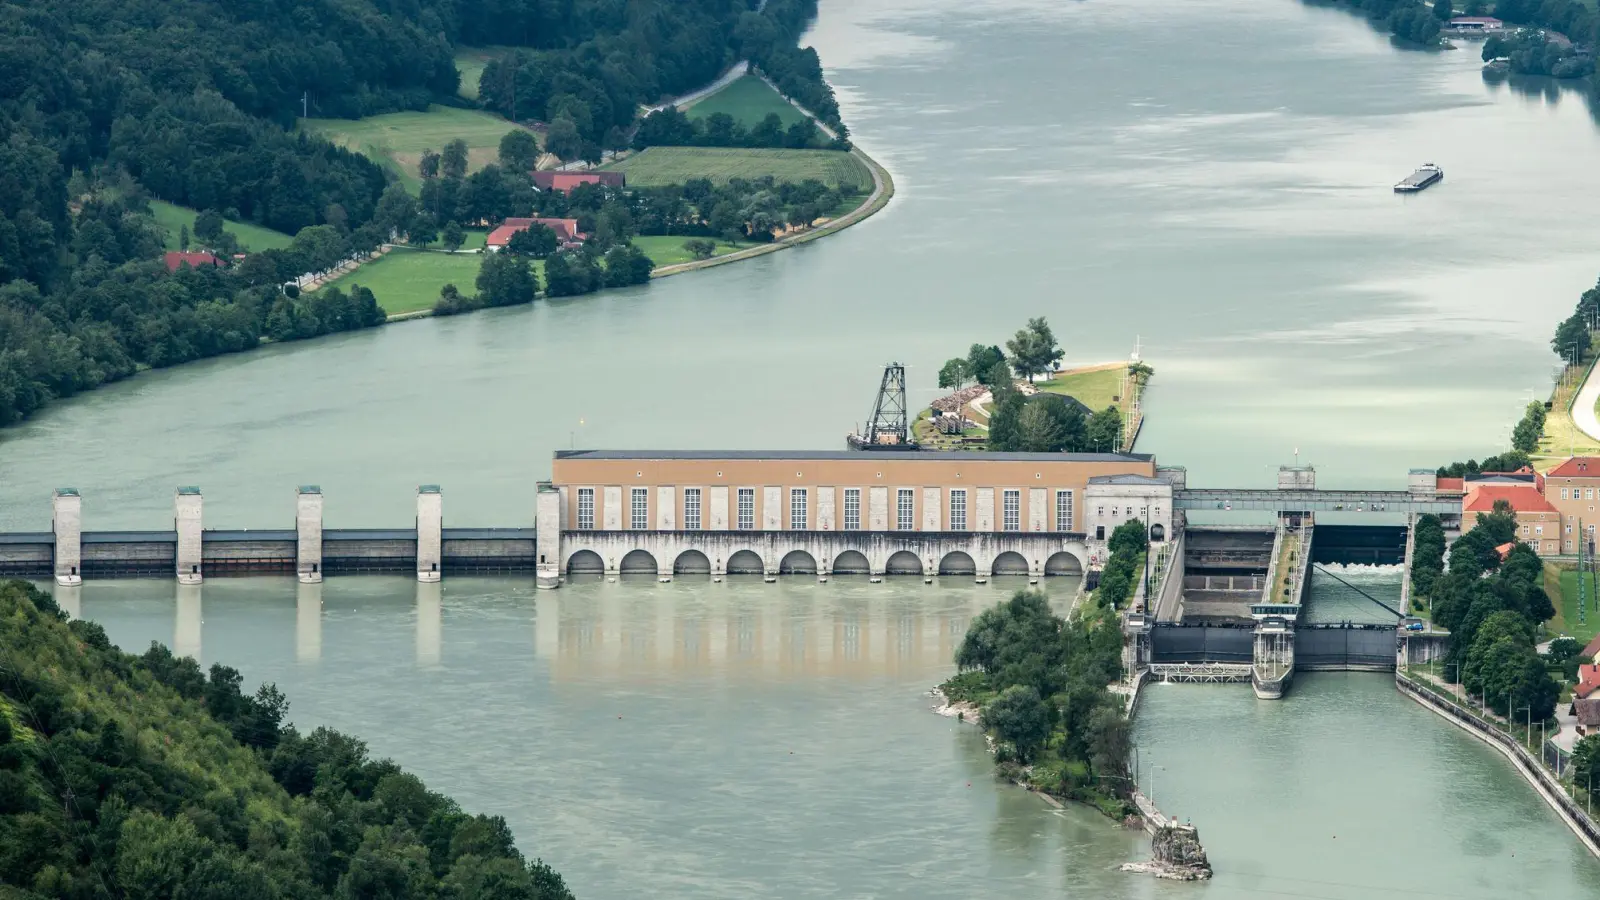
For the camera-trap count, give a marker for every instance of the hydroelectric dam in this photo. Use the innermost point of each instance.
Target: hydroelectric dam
(1219, 602)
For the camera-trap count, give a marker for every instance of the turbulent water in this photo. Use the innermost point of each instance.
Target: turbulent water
(1353, 593)
(1209, 178)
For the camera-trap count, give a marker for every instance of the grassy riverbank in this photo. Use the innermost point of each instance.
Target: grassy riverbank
(662, 166)
(748, 100)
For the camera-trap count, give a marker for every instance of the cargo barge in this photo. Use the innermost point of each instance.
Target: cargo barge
(1424, 177)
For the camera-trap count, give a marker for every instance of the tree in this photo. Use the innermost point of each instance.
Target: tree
(954, 373)
(1442, 10)
(1525, 436)
(1585, 768)
(506, 279)
(519, 151)
(397, 211)
(428, 164)
(1572, 336)
(536, 241)
(1020, 717)
(562, 138)
(1034, 350)
(453, 236)
(627, 265)
(700, 248)
(1129, 538)
(423, 231)
(453, 162)
(981, 362)
(1104, 431)
(183, 237)
(1038, 430)
(208, 225)
(1005, 421)
(1427, 558)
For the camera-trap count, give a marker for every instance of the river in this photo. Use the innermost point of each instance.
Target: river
(1209, 178)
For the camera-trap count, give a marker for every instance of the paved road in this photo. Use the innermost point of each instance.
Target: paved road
(1583, 407)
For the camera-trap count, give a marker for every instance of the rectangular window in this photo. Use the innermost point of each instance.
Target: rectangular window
(639, 509)
(958, 510)
(585, 509)
(1588, 494)
(1063, 510)
(1100, 512)
(1538, 529)
(905, 509)
(1564, 494)
(1569, 529)
(1011, 511)
(797, 509)
(747, 509)
(852, 509)
(691, 509)
(1525, 529)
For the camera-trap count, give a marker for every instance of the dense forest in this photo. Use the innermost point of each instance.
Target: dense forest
(144, 777)
(105, 104)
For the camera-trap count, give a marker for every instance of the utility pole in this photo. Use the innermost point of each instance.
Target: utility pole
(305, 105)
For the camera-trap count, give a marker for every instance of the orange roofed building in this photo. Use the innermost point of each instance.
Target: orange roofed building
(1570, 488)
(566, 230)
(1538, 521)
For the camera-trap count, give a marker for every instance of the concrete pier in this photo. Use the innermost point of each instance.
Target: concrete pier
(547, 524)
(430, 532)
(67, 526)
(308, 534)
(187, 523)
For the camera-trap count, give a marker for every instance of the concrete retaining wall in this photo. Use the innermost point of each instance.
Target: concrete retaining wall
(1545, 783)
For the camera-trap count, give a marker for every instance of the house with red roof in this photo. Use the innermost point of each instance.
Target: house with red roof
(1588, 681)
(1538, 522)
(1571, 488)
(566, 230)
(176, 259)
(566, 181)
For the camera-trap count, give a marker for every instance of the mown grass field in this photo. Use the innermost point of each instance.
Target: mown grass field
(748, 100)
(406, 280)
(173, 218)
(668, 250)
(396, 140)
(674, 165)
(470, 62)
(1566, 619)
(1096, 389)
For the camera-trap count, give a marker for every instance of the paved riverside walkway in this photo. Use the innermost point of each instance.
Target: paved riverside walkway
(1583, 405)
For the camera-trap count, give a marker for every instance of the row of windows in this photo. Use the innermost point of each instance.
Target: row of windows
(1539, 529)
(1588, 493)
(905, 509)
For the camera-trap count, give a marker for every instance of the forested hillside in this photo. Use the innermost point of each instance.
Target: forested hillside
(106, 102)
(142, 777)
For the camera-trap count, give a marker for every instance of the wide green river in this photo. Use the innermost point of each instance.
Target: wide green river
(1210, 179)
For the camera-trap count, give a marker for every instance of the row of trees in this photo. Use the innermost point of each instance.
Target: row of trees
(1129, 543)
(1533, 51)
(1525, 436)
(507, 278)
(671, 128)
(1041, 684)
(1034, 351)
(120, 310)
(1493, 609)
(1572, 341)
(1509, 461)
(142, 776)
(1049, 423)
(1427, 555)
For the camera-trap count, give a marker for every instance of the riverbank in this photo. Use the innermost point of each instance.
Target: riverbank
(1553, 792)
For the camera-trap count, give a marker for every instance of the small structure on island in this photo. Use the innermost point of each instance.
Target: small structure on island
(889, 427)
(1176, 854)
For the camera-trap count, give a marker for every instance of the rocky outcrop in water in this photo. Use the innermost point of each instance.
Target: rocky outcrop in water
(1177, 855)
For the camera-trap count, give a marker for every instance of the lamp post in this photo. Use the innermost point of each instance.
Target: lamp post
(1152, 794)
(1529, 708)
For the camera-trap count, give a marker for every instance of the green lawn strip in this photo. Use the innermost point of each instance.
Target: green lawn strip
(172, 218)
(667, 250)
(406, 280)
(396, 140)
(659, 166)
(748, 100)
(1568, 612)
(1096, 389)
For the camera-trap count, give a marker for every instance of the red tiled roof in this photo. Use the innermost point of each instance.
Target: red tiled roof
(1451, 484)
(1523, 498)
(1577, 467)
(566, 230)
(1593, 648)
(566, 181)
(1588, 681)
(176, 259)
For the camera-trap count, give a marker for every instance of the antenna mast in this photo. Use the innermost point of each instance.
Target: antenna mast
(889, 426)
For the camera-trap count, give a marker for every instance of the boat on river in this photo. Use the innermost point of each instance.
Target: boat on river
(1424, 177)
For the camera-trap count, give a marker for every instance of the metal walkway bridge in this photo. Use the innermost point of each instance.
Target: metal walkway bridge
(1299, 500)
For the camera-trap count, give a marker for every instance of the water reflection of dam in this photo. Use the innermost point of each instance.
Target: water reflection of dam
(740, 629)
